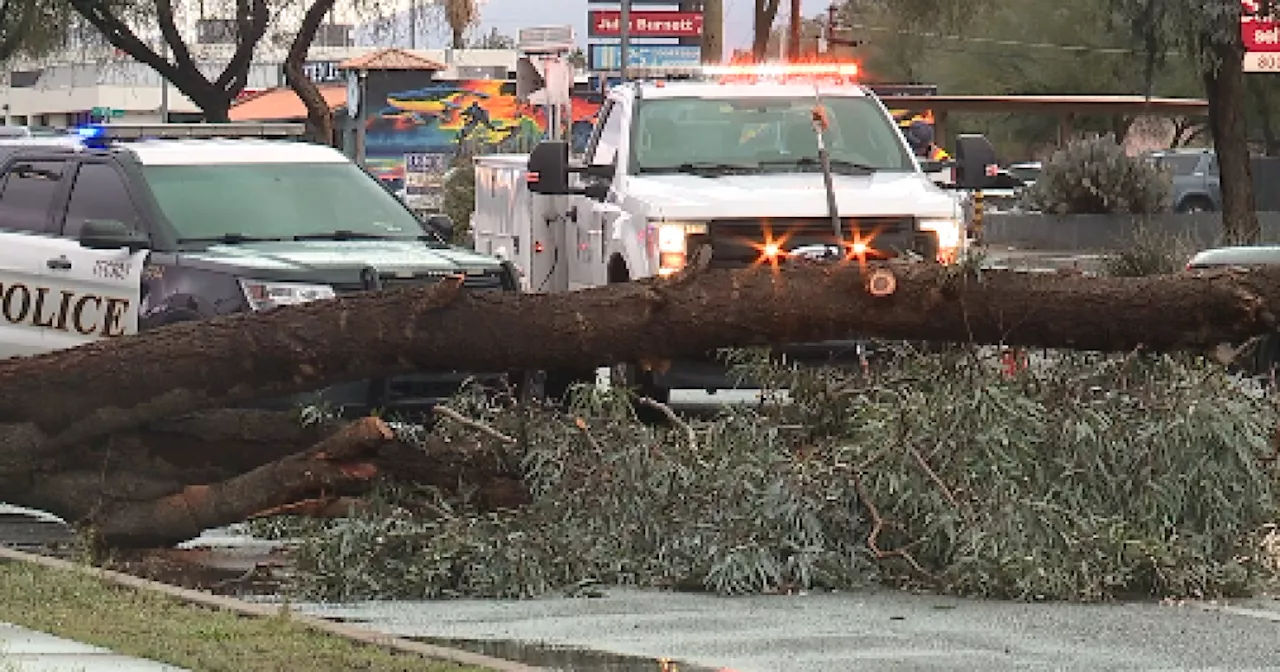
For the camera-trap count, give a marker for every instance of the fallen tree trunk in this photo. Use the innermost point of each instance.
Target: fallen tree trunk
(76, 394)
(165, 484)
(75, 417)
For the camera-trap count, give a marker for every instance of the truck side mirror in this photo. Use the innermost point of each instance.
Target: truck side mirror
(975, 160)
(442, 223)
(548, 169)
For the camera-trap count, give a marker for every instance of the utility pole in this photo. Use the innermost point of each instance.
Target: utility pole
(713, 31)
(413, 24)
(793, 43)
(624, 37)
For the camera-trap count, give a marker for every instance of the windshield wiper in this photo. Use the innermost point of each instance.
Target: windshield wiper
(836, 164)
(707, 168)
(229, 239)
(341, 234)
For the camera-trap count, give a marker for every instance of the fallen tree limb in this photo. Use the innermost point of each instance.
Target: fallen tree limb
(342, 459)
(81, 432)
(111, 385)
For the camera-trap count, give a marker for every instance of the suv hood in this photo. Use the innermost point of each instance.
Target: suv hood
(789, 195)
(315, 258)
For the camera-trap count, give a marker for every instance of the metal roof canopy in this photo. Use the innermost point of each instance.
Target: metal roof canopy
(1066, 107)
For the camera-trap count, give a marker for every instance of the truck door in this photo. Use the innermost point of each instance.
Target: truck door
(28, 191)
(589, 219)
(106, 283)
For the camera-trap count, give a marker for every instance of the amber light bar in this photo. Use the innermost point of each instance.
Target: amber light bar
(782, 69)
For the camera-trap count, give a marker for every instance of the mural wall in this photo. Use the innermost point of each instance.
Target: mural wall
(412, 114)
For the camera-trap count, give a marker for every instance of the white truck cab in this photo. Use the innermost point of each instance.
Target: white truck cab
(734, 165)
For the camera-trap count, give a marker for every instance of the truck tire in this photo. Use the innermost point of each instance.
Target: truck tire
(1195, 204)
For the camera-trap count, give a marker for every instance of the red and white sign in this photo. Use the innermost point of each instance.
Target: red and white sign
(1261, 38)
(608, 23)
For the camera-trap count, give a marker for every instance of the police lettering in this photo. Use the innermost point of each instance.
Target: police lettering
(85, 314)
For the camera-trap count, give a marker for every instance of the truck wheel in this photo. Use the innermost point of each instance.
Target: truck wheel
(1194, 205)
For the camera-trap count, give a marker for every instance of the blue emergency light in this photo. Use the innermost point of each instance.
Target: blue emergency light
(93, 136)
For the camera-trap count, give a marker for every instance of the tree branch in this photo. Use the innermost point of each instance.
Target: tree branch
(192, 83)
(169, 30)
(252, 17)
(319, 114)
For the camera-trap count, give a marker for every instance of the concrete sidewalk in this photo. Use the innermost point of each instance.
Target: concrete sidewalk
(23, 650)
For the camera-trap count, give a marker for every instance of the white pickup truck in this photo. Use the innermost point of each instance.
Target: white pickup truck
(677, 165)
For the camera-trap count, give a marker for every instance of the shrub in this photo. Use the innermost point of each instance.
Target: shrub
(459, 199)
(1149, 252)
(1085, 477)
(1096, 176)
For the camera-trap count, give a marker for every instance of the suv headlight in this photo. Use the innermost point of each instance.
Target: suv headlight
(262, 295)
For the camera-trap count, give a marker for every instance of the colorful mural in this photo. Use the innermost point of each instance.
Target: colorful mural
(435, 116)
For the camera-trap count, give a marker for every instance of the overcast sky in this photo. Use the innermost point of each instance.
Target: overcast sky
(508, 16)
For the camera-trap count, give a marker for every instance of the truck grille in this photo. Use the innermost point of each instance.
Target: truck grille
(737, 242)
(492, 280)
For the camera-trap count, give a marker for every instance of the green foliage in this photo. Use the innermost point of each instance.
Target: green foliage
(1096, 176)
(31, 27)
(1150, 252)
(1082, 478)
(460, 194)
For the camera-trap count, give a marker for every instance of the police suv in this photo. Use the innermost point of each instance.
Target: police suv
(118, 228)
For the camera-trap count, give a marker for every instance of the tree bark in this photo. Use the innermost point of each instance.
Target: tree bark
(319, 115)
(168, 482)
(74, 395)
(1225, 89)
(766, 11)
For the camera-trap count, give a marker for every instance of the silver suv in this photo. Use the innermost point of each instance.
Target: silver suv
(1196, 184)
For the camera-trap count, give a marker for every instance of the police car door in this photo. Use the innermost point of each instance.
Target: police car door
(104, 284)
(29, 304)
(587, 236)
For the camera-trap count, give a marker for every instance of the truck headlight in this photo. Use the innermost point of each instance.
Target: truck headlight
(950, 235)
(673, 244)
(262, 295)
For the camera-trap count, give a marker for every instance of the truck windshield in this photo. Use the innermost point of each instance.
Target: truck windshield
(277, 201)
(773, 132)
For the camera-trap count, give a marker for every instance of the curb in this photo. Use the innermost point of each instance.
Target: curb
(362, 635)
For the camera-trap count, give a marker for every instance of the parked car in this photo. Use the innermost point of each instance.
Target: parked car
(1196, 183)
(1027, 173)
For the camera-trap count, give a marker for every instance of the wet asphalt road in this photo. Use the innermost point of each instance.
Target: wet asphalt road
(873, 630)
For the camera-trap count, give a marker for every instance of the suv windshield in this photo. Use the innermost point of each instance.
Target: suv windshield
(278, 201)
(773, 133)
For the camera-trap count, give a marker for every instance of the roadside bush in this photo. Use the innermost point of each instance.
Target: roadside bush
(1095, 176)
(459, 199)
(1150, 252)
(1087, 478)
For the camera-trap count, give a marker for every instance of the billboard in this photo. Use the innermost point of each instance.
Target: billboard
(609, 56)
(1261, 38)
(411, 113)
(644, 24)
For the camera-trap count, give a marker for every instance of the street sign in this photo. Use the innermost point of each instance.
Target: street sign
(662, 23)
(105, 112)
(424, 179)
(1261, 38)
(609, 56)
